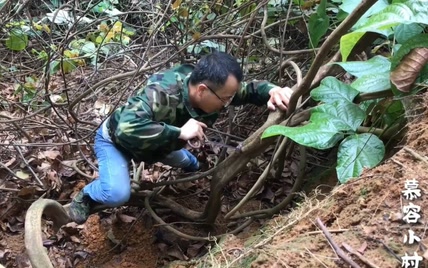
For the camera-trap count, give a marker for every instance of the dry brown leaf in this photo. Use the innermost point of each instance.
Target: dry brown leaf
(362, 248)
(176, 4)
(126, 218)
(49, 154)
(75, 239)
(409, 68)
(10, 162)
(27, 192)
(195, 249)
(177, 253)
(54, 180)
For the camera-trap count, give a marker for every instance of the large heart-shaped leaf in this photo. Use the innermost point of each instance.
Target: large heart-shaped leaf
(374, 82)
(404, 32)
(377, 64)
(345, 116)
(322, 134)
(357, 152)
(17, 40)
(331, 90)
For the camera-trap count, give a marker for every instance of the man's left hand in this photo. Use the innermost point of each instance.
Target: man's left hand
(279, 97)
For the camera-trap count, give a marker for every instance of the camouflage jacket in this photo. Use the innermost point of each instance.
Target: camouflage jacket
(147, 127)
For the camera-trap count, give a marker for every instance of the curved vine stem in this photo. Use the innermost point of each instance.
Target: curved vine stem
(296, 187)
(186, 236)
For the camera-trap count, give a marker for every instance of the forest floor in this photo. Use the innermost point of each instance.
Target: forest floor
(364, 218)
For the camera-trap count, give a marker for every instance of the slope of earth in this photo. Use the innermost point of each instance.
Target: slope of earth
(365, 218)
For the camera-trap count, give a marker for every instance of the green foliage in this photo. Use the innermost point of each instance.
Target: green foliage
(404, 32)
(332, 90)
(356, 152)
(331, 121)
(377, 64)
(17, 40)
(383, 18)
(318, 24)
(27, 90)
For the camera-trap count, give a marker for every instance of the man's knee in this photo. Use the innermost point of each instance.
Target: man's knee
(116, 195)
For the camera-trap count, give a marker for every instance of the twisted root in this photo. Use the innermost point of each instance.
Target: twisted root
(33, 229)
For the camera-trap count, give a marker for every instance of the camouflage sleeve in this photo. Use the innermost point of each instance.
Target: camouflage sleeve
(140, 124)
(255, 92)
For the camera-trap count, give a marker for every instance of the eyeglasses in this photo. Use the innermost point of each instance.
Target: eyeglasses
(225, 103)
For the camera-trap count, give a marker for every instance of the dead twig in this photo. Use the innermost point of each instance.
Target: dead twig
(320, 232)
(359, 255)
(9, 170)
(336, 248)
(36, 178)
(416, 155)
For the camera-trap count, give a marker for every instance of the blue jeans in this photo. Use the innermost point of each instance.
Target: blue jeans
(113, 186)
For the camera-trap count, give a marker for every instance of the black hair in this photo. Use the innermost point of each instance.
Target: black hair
(215, 68)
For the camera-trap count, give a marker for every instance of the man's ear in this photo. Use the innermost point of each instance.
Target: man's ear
(200, 88)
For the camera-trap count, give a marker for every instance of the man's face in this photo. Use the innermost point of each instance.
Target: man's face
(213, 101)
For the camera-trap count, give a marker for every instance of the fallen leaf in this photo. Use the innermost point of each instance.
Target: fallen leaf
(126, 218)
(195, 249)
(175, 252)
(51, 154)
(56, 98)
(75, 239)
(10, 162)
(176, 4)
(53, 179)
(27, 192)
(22, 175)
(362, 248)
(45, 165)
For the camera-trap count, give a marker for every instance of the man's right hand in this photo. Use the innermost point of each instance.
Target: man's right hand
(192, 129)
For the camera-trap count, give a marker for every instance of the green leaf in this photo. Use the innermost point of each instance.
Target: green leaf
(377, 64)
(319, 135)
(349, 5)
(347, 43)
(318, 24)
(345, 116)
(374, 82)
(404, 32)
(357, 152)
(389, 17)
(418, 8)
(68, 65)
(394, 112)
(331, 90)
(22, 175)
(17, 40)
(2, 3)
(54, 67)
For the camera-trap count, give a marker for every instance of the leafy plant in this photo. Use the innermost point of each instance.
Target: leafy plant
(17, 39)
(337, 119)
(330, 122)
